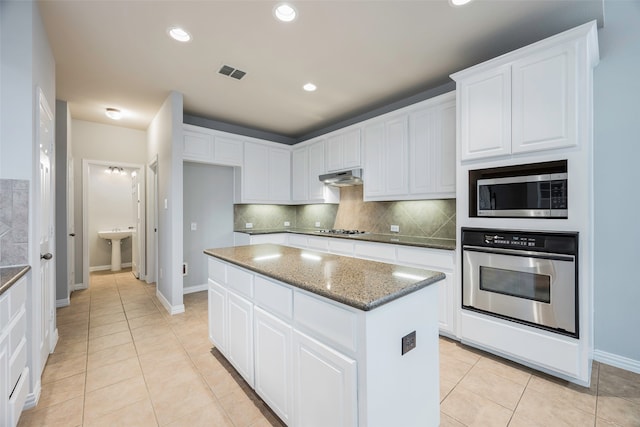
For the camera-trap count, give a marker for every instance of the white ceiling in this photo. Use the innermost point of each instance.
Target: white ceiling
(360, 54)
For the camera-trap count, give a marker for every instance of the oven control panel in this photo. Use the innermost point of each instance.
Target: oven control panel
(552, 242)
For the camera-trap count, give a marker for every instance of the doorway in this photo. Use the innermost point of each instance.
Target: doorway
(108, 204)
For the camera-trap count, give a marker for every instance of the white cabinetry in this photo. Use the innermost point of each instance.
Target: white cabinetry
(326, 385)
(273, 365)
(528, 100)
(385, 158)
(266, 176)
(209, 146)
(343, 150)
(218, 316)
(307, 166)
(240, 335)
(432, 149)
(411, 154)
(14, 373)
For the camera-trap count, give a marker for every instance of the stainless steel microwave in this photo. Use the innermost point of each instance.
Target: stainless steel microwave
(536, 196)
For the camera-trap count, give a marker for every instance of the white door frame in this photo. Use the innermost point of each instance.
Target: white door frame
(71, 230)
(152, 230)
(86, 184)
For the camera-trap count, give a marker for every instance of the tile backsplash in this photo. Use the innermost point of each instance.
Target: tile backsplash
(421, 218)
(14, 222)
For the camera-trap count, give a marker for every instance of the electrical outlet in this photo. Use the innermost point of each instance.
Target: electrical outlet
(395, 228)
(248, 225)
(194, 226)
(408, 342)
(287, 224)
(317, 223)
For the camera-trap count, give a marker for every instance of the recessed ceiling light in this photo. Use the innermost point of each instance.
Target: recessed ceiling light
(459, 2)
(179, 34)
(113, 113)
(309, 87)
(285, 12)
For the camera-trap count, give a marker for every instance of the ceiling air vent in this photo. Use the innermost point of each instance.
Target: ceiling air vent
(231, 72)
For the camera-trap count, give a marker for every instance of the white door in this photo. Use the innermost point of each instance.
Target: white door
(46, 238)
(71, 227)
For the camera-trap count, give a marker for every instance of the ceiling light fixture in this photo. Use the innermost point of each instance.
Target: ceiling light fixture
(113, 113)
(285, 12)
(310, 87)
(179, 34)
(459, 2)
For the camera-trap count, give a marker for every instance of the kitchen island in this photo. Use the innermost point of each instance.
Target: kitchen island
(326, 339)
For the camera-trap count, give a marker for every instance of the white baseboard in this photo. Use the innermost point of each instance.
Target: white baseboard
(618, 361)
(80, 286)
(34, 396)
(196, 288)
(171, 309)
(108, 267)
(63, 302)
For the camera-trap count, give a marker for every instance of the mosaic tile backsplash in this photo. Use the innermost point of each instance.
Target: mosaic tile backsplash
(421, 218)
(14, 222)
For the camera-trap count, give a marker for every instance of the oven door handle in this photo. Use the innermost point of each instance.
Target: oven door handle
(522, 253)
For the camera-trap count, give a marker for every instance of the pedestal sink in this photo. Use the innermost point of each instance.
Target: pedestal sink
(116, 254)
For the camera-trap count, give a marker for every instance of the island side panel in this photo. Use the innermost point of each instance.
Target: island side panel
(401, 390)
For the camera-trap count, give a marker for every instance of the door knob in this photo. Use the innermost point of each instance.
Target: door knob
(72, 234)
(46, 256)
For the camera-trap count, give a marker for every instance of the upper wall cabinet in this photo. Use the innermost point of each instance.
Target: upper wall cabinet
(411, 154)
(208, 146)
(265, 176)
(307, 166)
(385, 158)
(532, 99)
(343, 151)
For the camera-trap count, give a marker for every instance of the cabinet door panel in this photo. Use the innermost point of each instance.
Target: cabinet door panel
(316, 168)
(485, 102)
(374, 170)
(544, 109)
(273, 379)
(227, 151)
(421, 153)
(351, 149)
(445, 150)
(279, 175)
(334, 153)
(255, 172)
(300, 175)
(217, 316)
(396, 156)
(325, 385)
(197, 146)
(240, 335)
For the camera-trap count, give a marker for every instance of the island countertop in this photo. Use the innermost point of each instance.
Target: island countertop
(359, 283)
(10, 275)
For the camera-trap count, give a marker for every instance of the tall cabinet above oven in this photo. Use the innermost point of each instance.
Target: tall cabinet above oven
(525, 166)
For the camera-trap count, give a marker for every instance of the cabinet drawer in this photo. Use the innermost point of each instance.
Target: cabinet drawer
(17, 331)
(329, 322)
(378, 252)
(426, 258)
(298, 241)
(19, 396)
(318, 243)
(240, 281)
(273, 297)
(217, 271)
(17, 363)
(341, 246)
(17, 297)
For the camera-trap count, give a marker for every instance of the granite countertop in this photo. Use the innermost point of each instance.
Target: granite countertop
(10, 275)
(358, 283)
(396, 239)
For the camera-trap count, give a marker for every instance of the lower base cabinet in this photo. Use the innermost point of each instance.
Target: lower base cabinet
(273, 367)
(319, 363)
(326, 385)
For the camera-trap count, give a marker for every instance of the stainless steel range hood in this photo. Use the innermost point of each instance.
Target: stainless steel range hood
(343, 179)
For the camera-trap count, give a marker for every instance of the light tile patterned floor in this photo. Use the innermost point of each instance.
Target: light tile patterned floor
(123, 361)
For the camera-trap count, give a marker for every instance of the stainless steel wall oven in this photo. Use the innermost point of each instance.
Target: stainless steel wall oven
(528, 277)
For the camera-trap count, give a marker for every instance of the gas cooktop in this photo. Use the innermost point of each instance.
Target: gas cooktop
(341, 231)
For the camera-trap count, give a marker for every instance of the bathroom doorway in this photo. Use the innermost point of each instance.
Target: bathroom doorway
(112, 199)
